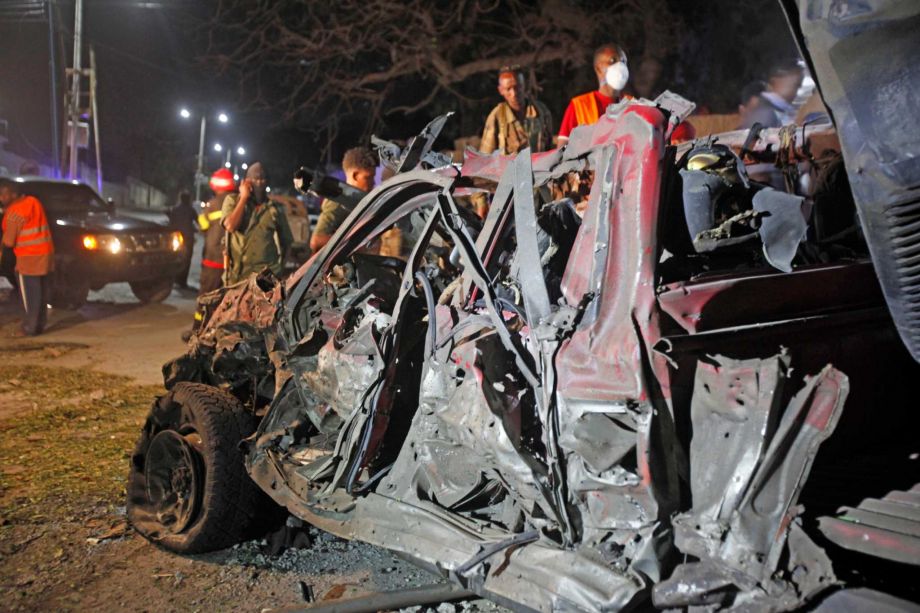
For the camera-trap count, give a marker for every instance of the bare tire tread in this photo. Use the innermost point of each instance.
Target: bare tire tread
(231, 501)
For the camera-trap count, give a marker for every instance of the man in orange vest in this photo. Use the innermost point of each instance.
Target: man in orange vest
(26, 231)
(612, 75)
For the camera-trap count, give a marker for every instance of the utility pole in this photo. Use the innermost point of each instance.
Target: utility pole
(55, 122)
(94, 109)
(199, 175)
(75, 86)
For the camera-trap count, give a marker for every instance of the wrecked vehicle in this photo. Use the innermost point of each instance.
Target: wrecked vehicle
(642, 406)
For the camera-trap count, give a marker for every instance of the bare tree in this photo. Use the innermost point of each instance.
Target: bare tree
(319, 63)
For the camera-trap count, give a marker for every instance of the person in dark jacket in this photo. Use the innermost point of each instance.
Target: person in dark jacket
(774, 107)
(182, 218)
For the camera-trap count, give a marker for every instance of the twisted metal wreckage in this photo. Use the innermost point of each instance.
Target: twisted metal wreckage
(559, 413)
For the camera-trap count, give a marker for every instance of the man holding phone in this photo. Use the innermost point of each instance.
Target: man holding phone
(258, 234)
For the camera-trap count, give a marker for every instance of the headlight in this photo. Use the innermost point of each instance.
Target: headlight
(105, 242)
(176, 241)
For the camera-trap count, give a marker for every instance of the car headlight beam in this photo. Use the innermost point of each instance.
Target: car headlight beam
(176, 241)
(104, 242)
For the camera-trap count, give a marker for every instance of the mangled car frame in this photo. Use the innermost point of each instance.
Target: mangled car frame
(610, 393)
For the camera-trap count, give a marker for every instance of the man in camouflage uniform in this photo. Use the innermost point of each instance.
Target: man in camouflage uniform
(258, 235)
(514, 124)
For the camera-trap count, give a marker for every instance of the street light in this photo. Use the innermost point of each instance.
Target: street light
(240, 151)
(184, 113)
(218, 148)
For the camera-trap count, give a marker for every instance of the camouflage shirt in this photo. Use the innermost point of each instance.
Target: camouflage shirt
(506, 132)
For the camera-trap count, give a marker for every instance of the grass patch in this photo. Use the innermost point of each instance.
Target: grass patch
(65, 438)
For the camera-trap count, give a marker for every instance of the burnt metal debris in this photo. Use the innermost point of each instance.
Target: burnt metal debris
(561, 412)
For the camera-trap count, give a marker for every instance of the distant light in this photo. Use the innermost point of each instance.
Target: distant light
(226, 164)
(185, 113)
(90, 243)
(75, 182)
(218, 148)
(20, 180)
(118, 226)
(240, 151)
(60, 222)
(244, 166)
(115, 246)
(176, 241)
(236, 177)
(222, 117)
(268, 189)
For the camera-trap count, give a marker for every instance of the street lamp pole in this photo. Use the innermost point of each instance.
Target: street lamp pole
(200, 172)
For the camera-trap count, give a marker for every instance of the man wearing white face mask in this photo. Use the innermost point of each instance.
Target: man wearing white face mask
(612, 74)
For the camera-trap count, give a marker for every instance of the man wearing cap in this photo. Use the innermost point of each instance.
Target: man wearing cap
(612, 74)
(258, 235)
(26, 231)
(212, 253)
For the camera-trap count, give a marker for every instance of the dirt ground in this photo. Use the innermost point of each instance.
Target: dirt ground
(71, 404)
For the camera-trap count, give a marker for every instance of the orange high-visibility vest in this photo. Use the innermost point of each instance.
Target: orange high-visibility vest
(585, 109)
(34, 236)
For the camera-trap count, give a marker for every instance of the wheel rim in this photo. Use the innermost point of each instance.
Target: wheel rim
(174, 471)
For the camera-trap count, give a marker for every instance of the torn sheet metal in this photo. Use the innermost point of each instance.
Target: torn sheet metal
(739, 524)
(492, 403)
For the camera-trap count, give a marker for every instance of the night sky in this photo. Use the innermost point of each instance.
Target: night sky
(147, 70)
(149, 66)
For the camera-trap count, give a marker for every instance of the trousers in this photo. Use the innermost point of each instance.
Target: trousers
(35, 291)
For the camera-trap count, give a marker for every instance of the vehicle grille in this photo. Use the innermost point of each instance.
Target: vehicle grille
(142, 243)
(904, 226)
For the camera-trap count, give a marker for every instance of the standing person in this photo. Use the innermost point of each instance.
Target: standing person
(775, 108)
(182, 218)
(513, 125)
(360, 166)
(209, 222)
(612, 75)
(517, 122)
(258, 235)
(750, 100)
(26, 231)
(212, 251)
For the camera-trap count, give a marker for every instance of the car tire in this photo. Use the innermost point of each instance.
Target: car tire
(69, 296)
(153, 290)
(188, 490)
